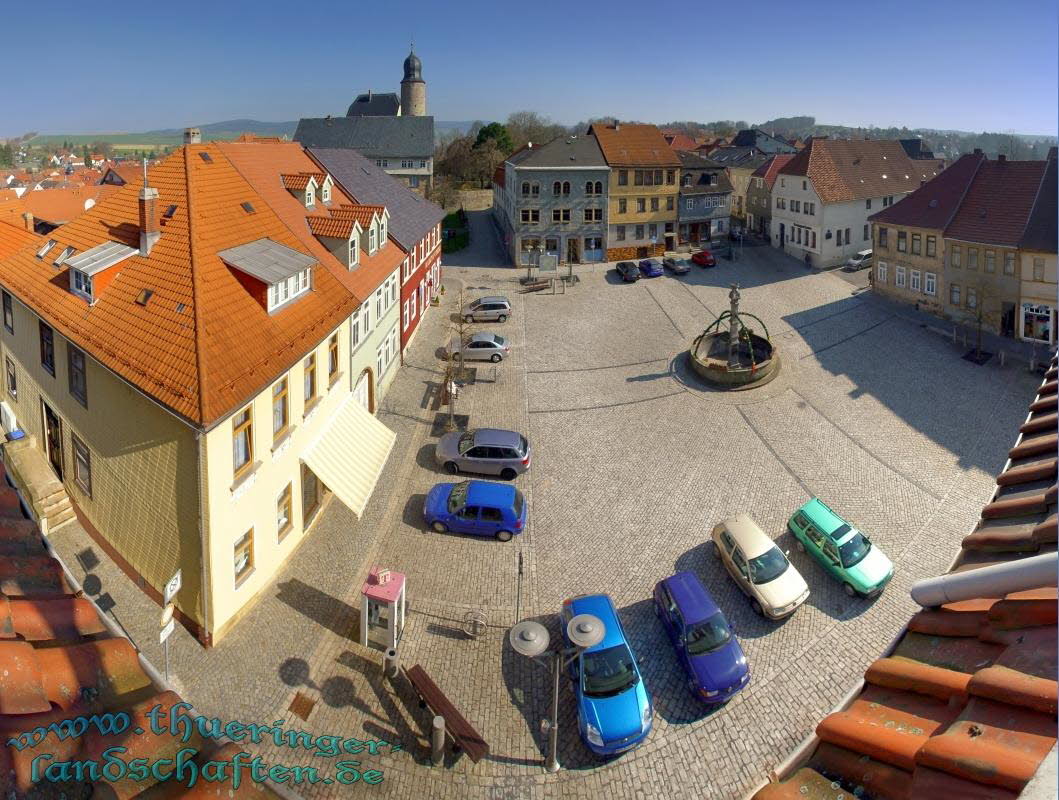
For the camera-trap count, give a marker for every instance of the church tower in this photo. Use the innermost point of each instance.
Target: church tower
(413, 89)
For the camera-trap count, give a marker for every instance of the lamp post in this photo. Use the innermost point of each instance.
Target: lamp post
(530, 638)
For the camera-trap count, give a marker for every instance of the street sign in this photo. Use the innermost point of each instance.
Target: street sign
(166, 630)
(172, 588)
(167, 614)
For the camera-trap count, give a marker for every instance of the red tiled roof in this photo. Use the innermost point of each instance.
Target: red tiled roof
(300, 180)
(14, 236)
(965, 705)
(498, 175)
(126, 173)
(361, 213)
(59, 206)
(771, 168)
(680, 141)
(998, 203)
(335, 227)
(634, 145)
(934, 203)
(842, 170)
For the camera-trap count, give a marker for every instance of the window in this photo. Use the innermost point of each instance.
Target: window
(588, 188)
(641, 204)
(900, 277)
(805, 185)
(43, 251)
(280, 409)
(9, 313)
(867, 231)
(932, 247)
(47, 349)
(623, 206)
(917, 242)
(599, 187)
(638, 177)
(309, 379)
(931, 284)
(1038, 268)
(955, 255)
(244, 556)
(536, 189)
(623, 177)
(689, 203)
(332, 359)
(838, 238)
(404, 316)
(783, 183)
(669, 203)
(654, 203)
(65, 254)
(525, 188)
(566, 187)
(354, 330)
(286, 290)
(593, 215)
(325, 192)
(81, 283)
(371, 239)
(954, 294)
(972, 297)
(902, 242)
(284, 521)
(880, 272)
(652, 231)
(619, 233)
(82, 465)
(78, 379)
(811, 209)
(990, 260)
(242, 441)
(557, 188)
(882, 237)
(1009, 265)
(796, 205)
(12, 378)
(671, 177)
(914, 282)
(972, 262)
(867, 203)
(354, 252)
(639, 231)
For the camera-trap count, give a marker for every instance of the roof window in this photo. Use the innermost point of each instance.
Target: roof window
(206, 157)
(47, 246)
(65, 254)
(169, 212)
(248, 207)
(144, 296)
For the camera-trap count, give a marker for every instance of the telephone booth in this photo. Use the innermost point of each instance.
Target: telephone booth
(382, 607)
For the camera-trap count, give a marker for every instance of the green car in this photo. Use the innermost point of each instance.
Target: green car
(844, 551)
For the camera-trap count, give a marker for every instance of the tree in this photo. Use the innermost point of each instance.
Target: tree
(443, 193)
(529, 126)
(496, 133)
(485, 160)
(455, 372)
(7, 155)
(103, 148)
(985, 313)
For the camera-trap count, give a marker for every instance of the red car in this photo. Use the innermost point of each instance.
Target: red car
(704, 258)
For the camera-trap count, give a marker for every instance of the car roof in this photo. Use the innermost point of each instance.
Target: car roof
(691, 597)
(600, 605)
(492, 299)
(497, 437)
(821, 515)
(487, 493)
(483, 336)
(751, 539)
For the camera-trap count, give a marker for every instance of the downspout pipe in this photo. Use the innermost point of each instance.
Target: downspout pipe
(996, 580)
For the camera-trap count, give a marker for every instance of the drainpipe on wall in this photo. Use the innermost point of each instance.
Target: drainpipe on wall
(204, 561)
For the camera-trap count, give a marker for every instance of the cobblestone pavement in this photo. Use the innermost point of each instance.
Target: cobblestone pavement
(634, 462)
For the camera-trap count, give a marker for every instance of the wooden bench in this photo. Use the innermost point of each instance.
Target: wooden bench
(463, 734)
(536, 286)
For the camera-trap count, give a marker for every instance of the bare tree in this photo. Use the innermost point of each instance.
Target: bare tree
(454, 364)
(985, 313)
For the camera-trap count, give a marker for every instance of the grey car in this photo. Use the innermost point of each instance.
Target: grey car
(679, 266)
(488, 309)
(481, 347)
(487, 451)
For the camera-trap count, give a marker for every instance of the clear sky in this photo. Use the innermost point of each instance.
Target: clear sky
(134, 66)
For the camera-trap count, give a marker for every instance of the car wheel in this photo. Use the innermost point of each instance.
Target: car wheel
(502, 318)
(849, 590)
(441, 527)
(503, 536)
(495, 358)
(468, 318)
(754, 604)
(800, 545)
(451, 467)
(508, 474)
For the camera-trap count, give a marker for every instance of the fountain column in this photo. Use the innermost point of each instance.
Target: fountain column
(733, 328)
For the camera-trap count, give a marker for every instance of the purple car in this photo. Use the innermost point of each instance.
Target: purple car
(651, 267)
(707, 649)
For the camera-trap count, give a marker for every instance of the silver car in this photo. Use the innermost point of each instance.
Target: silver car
(488, 309)
(679, 266)
(481, 347)
(488, 451)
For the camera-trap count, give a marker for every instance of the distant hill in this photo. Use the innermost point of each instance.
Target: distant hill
(233, 127)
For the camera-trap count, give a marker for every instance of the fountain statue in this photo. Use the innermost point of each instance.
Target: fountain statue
(737, 358)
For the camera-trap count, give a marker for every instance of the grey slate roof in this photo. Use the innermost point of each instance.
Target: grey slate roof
(266, 260)
(733, 156)
(411, 216)
(374, 137)
(375, 105)
(765, 142)
(566, 151)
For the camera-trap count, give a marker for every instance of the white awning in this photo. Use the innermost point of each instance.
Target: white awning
(350, 454)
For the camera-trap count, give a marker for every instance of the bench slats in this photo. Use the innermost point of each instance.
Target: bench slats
(462, 732)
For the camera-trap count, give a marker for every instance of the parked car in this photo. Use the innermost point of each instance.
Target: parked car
(628, 271)
(860, 260)
(844, 551)
(679, 266)
(704, 258)
(706, 647)
(614, 710)
(489, 451)
(651, 267)
(488, 309)
(759, 568)
(480, 508)
(481, 347)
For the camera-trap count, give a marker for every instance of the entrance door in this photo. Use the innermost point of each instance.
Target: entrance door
(1007, 320)
(362, 390)
(573, 255)
(310, 494)
(782, 235)
(707, 230)
(53, 439)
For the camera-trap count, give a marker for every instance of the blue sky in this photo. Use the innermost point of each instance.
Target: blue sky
(125, 66)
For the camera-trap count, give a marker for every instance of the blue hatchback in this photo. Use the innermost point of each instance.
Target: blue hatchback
(613, 707)
(480, 508)
(651, 267)
(706, 648)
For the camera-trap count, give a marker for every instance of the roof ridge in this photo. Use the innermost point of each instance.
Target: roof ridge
(195, 311)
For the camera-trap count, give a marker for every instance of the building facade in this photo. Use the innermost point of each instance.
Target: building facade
(1037, 260)
(759, 196)
(550, 201)
(643, 190)
(703, 205)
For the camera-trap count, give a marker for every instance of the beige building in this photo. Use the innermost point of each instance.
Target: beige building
(1037, 265)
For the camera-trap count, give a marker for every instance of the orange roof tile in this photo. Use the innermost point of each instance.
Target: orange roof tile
(362, 214)
(634, 145)
(14, 236)
(335, 227)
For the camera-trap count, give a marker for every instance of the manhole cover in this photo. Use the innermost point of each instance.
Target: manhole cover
(302, 705)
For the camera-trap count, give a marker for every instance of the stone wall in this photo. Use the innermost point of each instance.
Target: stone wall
(630, 253)
(474, 199)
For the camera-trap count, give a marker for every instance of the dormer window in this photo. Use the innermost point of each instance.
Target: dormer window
(354, 251)
(272, 273)
(382, 232)
(325, 191)
(310, 196)
(372, 238)
(81, 284)
(286, 290)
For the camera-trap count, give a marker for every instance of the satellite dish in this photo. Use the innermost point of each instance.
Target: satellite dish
(585, 630)
(529, 638)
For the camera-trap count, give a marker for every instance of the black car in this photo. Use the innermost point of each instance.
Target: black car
(628, 271)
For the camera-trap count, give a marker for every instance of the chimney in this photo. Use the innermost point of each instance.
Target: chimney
(1001, 158)
(192, 136)
(617, 125)
(27, 220)
(150, 232)
(978, 151)
(369, 95)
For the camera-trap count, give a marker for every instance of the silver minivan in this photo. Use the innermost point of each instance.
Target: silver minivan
(488, 309)
(860, 260)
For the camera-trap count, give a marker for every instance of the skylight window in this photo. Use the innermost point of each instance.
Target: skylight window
(144, 296)
(248, 207)
(65, 254)
(205, 157)
(47, 247)
(169, 212)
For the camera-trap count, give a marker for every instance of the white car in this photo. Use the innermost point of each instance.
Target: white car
(481, 347)
(759, 567)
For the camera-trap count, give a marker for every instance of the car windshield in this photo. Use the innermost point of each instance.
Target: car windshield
(768, 566)
(519, 502)
(457, 497)
(465, 444)
(708, 635)
(854, 550)
(608, 672)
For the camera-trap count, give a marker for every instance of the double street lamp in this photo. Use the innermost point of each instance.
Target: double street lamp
(530, 638)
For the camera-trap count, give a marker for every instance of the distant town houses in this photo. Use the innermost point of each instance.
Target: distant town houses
(705, 191)
(396, 134)
(976, 244)
(759, 195)
(823, 196)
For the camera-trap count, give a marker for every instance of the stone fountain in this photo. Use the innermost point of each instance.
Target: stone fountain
(736, 358)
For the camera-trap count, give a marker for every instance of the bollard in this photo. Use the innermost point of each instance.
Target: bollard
(389, 663)
(437, 741)
(1001, 358)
